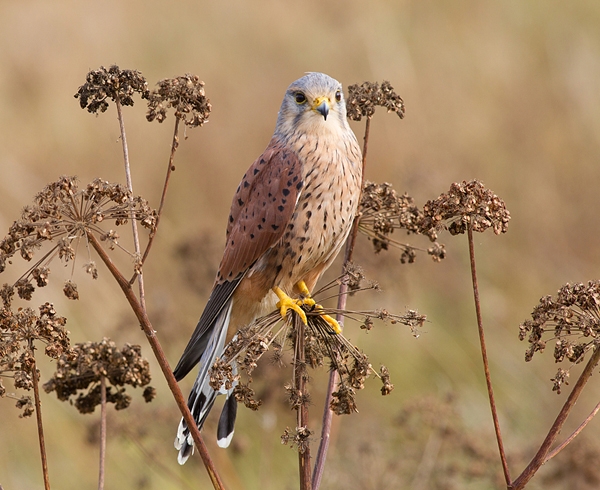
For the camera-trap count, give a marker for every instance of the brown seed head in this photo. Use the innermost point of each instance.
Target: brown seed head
(184, 94)
(363, 99)
(466, 203)
(112, 83)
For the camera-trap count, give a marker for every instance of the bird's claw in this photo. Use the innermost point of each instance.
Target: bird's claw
(285, 303)
(332, 321)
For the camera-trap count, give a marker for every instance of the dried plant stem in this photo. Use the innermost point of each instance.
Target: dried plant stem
(540, 457)
(575, 433)
(102, 432)
(38, 415)
(142, 317)
(326, 426)
(170, 169)
(302, 410)
(486, 367)
(342, 300)
(136, 237)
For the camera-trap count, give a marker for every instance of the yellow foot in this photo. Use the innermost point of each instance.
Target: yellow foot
(332, 321)
(307, 300)
(285, 302)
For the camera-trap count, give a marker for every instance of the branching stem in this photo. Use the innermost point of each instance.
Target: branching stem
(142, 317)
(541, 456)
(575, 433)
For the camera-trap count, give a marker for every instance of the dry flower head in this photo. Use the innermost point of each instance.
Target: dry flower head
(110, 83)
(184, 94)
(19, 331)
(466, 203)
(62, 215)
(571, 321)
(382, 211)
(320, 344)
(80, 374)
(363, 99)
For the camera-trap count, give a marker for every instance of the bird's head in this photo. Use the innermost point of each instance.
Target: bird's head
(313, 103)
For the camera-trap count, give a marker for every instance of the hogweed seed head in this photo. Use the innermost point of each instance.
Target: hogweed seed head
(61, 215)
(466, 203)
(363, 99)
(19, 331)
(113, 84)
(382, 211)
(184, 94)
(571, 321)
(80, 374)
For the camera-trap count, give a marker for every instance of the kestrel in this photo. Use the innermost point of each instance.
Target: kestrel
(290, 216)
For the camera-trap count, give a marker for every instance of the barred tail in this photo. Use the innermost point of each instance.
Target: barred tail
(202, 396)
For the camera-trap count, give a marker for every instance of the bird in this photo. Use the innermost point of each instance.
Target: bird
(289, 219)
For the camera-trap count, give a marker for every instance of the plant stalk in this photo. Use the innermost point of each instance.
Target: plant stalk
(170, 169)
(302, 410)
(38, 415)
(342, 300)
(486, 366)
(540, 457)
(102, 463)
(142, 317)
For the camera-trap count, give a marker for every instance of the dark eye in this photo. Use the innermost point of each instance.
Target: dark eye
(300, 98)
(338, 95)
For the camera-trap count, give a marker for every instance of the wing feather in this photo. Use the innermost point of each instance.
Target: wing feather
(261, 209)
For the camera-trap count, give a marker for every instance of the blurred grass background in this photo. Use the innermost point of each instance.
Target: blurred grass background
(505, 92)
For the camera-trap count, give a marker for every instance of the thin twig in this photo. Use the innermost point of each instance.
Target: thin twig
(302, 410)
(102, 432)
(142, 317)
(38, 414)
(486, 367)
(540, 457)
(170, 169)
(342, 299)
(136, 237)
(575, 433)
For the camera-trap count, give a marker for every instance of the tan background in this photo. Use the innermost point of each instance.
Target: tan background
(505, 92)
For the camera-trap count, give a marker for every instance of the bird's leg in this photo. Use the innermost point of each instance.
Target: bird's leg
(307, 300)
(285, 302)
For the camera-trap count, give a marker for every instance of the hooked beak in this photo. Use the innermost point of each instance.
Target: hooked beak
(321, 105)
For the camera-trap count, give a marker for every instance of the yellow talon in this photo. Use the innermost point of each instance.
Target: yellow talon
(333, 322)
(307, 300)
(285, 302)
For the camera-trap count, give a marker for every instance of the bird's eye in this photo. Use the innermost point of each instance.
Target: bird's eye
(338, 95)
(300, 98)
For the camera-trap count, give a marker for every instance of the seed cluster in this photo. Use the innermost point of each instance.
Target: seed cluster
(19, 331)
(466, 203)
(382, 211)
(79, 375)
(363, 99)
(63, 214)
(184, 94)
(571, 320)
(110, 83)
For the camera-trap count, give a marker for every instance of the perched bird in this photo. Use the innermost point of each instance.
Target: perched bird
(289, 218)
